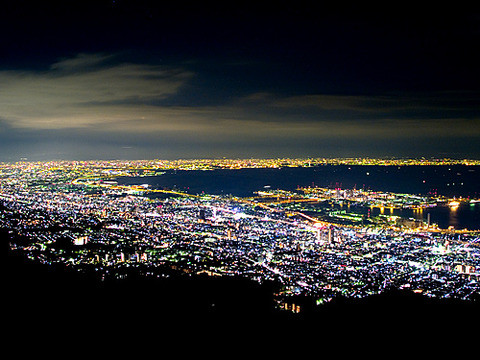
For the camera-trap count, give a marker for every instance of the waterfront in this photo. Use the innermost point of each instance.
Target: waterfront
(448, 180)
(106, 220)
(453, 181)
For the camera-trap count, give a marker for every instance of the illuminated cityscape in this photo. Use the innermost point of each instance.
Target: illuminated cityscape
(233, 162)
(75, 214)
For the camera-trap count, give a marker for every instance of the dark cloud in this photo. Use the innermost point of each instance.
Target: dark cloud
(96, 104)
(152, 79)
(394, 106)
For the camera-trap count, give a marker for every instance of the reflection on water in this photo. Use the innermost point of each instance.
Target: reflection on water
(453, 216)
(460, 217)
(463, 216)
(442, 180)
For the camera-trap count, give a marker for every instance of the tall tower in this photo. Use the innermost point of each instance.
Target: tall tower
(331, 234)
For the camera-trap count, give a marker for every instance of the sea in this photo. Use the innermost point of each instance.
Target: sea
(456, 181)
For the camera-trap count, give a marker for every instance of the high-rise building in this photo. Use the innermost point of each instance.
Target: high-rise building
(331, 234)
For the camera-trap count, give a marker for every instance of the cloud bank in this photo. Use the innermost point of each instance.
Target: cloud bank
(102, 101)
(84, 91)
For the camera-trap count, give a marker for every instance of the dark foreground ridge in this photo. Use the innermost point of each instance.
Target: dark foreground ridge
(57, 296)
(54, 294)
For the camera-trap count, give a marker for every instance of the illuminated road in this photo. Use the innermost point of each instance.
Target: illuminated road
(128, 188)
(248, 201)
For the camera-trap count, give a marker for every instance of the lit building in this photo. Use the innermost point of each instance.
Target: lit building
(331, 234)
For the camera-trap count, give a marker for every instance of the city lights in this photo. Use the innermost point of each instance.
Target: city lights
(76, 213)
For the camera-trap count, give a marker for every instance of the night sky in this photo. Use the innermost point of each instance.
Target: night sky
(144, 80)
